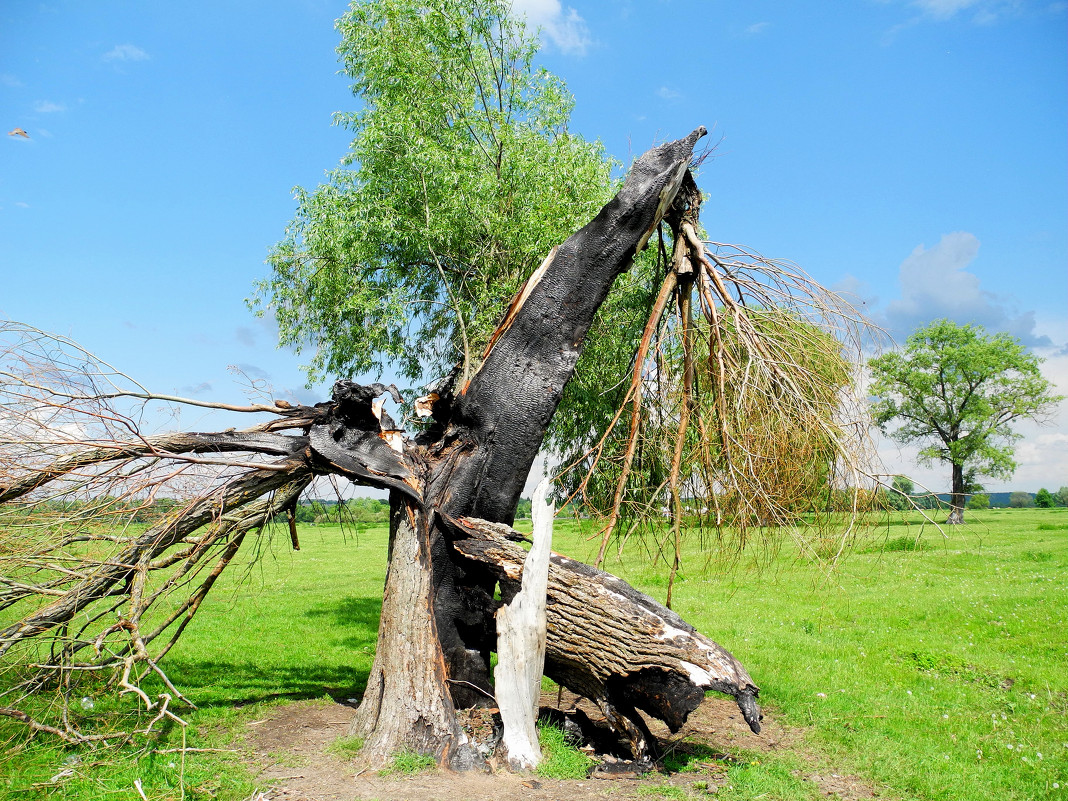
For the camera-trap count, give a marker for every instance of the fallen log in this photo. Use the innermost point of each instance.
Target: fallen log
(612, 644)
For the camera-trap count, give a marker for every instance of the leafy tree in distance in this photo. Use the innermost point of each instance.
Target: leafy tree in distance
(957, 391)
(904, 485)
(1021, 500)
(979, 501)
(899, 496)
(1044, 499)
(1061, 496)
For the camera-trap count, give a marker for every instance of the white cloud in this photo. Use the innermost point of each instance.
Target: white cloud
(125, 52)
(9, 80)
(22, 205)
(1042, 451)
(667, 93)
(301, 395)
(982, 12)
(757, 28)
(977, 12)
(251, 371)
(564, 27)
(48, 107)
(935, 284)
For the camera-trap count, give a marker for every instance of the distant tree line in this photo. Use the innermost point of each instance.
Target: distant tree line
(361, 511)
(902, 496)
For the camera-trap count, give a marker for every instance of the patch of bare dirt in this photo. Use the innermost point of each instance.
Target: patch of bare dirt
(291, 750)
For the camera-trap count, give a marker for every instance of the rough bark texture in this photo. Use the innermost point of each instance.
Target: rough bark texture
(407, 703)
(487, 433)
(956, 498)
(499, 419)
(612, 644)
(475, 457)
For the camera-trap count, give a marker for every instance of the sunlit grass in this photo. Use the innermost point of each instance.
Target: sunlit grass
(405, 763)
(561, 759)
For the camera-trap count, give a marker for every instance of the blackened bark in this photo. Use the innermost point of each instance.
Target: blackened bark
(488, 432)
(437, 628)
(355, 437)
(501, 416)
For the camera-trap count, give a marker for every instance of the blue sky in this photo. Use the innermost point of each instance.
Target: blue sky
(911, 153)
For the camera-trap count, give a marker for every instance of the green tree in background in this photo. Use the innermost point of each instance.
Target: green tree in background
(460, 178)
(1021, 500)
(1044, 499)
(979, 501)
(957, 390)
(1061, 496)
(899, 496)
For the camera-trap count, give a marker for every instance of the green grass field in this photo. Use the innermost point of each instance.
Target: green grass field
(933, 666)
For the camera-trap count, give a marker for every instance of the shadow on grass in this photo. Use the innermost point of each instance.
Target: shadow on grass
(296, 674)
(683, 756)
(218, 683)
(357, 616)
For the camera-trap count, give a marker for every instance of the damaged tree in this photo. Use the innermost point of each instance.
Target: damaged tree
(447, 486)
(71, 462)
(474, 460)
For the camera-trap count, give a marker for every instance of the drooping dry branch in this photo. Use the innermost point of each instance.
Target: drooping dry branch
(111, 538)
(745, 407)
(134, 560)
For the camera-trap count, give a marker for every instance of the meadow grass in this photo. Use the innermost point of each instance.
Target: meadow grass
(937, 671)
(406, 763)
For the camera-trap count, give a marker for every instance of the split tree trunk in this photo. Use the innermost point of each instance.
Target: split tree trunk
(521, 630)
(475, 459)
(406, 703)
(612, 644)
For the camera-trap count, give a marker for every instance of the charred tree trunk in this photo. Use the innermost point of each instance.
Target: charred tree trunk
(483, 440)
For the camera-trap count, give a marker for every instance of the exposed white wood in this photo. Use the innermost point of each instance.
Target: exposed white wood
(521, 644)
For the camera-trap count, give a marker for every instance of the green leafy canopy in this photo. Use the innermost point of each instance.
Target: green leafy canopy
(460, 178)
(957, 390)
